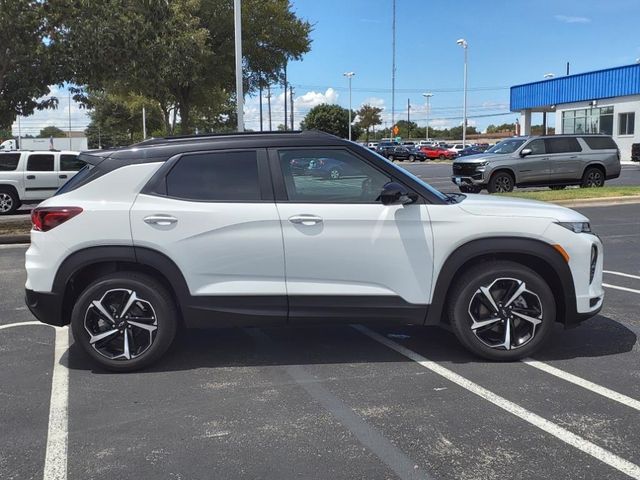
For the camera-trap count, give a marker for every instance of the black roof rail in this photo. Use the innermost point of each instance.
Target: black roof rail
(206, 136)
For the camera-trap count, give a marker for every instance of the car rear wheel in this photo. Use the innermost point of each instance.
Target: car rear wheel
(593, 177)
(501, 182)
(9, 201)
(124, 321)
(334, 173)
(502, 310)
(442, 157)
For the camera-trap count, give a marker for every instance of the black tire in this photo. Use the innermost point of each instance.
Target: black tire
(390, 157)
(557, 187)
(334, 174)
(470, 188)
(501, 182)
(593, 177)
(9, 201)
(442, 157)
(151, 293)
(412, 158)
(502, 277)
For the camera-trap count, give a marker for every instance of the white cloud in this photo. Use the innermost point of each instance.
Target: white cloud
(374, 102)
(58, 117)
(572, 19)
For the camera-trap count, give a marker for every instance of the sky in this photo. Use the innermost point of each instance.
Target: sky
(510, 43)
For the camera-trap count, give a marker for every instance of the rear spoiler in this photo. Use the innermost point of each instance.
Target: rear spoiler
(95, 157)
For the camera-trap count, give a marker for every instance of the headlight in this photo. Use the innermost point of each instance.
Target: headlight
(576, 227)
(481, 167)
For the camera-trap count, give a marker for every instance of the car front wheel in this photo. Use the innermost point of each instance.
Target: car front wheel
(124, 321)
(412, 158)
(501, 182)
(502, 310)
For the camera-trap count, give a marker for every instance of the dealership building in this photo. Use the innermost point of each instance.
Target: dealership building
(604, 101)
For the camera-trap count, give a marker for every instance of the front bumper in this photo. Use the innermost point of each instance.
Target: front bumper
(46, 307)
(475, 179)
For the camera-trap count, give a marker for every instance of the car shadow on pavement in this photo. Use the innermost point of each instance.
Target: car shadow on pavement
(310, 345)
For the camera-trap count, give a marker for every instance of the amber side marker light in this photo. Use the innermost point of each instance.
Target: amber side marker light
(562, 252)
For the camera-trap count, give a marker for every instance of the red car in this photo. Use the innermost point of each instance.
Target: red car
(438, 152)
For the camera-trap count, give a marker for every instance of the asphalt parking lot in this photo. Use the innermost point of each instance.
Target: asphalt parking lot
(333, 402)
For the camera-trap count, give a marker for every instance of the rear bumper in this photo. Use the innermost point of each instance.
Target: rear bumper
(46, 307)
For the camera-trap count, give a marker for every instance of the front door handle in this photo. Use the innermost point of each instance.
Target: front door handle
(305, 219)
(31, 177)
(161, 220)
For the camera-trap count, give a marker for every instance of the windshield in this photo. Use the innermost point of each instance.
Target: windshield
(506, 146)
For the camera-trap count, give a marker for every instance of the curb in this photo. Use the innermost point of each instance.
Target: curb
(599, 202)
(13, 239)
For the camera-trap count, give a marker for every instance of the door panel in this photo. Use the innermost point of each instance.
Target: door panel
(40, 176)
(564, 158)
(533, 168)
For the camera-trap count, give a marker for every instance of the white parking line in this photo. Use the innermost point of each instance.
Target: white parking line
(19, 324)
(562, 434)
(616, 287)
(13, 245)
(55, 463)
(628, 275)
(581, 382)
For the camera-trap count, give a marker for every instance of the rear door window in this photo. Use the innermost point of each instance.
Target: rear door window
(216, 177)
(40, 163)
(9, 161)
(563, 145)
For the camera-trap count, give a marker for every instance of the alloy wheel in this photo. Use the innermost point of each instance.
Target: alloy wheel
(503, 184)
(121, 325)
(6, 202)
(594, 179)
(334, 174)
(505, 314)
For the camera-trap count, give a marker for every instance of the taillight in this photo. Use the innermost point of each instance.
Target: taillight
(46, 218)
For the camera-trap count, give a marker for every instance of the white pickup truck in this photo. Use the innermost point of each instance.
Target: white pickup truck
(30, 177)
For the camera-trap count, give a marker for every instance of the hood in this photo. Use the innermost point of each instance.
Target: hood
(518, 207)
(481, 157)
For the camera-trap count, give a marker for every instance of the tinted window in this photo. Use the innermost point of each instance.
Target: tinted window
(40, 163)
(333, 176)
(563, 145)
(223, 176)
(70, 163)
(537, 147)
(9, 161)
(600, 143)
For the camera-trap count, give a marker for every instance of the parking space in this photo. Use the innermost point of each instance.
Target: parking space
(331, 402)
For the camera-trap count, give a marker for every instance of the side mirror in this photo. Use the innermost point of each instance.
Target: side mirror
(395, 194)
(525, 152)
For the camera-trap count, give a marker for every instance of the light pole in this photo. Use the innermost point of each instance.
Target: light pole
(545, 127)
(238, 53)
(349, 75)
(549, 75)
(463, 43)
(428, 96)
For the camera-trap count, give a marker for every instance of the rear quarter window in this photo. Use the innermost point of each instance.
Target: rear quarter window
(9, 161)
(600, 143)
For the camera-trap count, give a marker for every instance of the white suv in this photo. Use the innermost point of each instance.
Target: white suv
(32, 176)
(254, 229)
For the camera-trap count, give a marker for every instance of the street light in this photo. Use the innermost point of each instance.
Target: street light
(463, 43)
(549, 75)
(237, 25)
(349, 75)
(428, 96)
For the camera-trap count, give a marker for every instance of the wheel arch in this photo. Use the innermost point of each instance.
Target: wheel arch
(81, 268)
(599, 165)
(535, 254)
(504, 170)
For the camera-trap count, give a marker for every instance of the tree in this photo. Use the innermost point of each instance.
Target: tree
(331, 119)
(51, 131)
(178, 52)
(27, 61)
(369, 116)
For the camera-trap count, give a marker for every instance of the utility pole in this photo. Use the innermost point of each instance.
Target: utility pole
(19, 146)
(237, 15)
(285, 96)
(269, 105)
(393, 66)
(463, 43)
(409, 118)
(70, 147)
(428, 96)
(291, 115)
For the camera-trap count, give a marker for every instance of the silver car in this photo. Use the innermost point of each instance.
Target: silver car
(554, 161)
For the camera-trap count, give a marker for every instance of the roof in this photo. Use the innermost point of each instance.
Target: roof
(161, 149)
(600, 84)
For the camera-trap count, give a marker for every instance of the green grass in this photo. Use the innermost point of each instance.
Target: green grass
(576, 193)
(20, 227)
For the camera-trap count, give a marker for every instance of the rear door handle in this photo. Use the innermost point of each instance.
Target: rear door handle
(305, 219)
(161, 220)
(31, 177)
(573, 157)
(62, 176)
